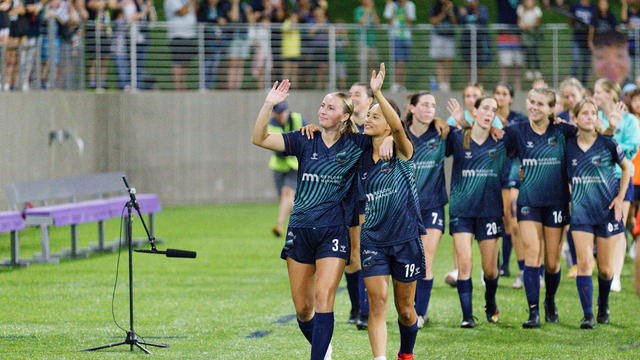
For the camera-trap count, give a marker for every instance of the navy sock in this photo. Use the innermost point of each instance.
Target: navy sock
(363, 295)
(407, 337)
(423, 295)
(572, 248)
(465, 291)
(521, 265)
(352, 288)
(506, 250)
(490, 292)
(585, 291)
(307, 328)
(604, 287)
(532, 286)
(552, 282)
(322, 333)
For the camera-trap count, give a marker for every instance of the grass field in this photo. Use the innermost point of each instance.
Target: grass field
(208, 307)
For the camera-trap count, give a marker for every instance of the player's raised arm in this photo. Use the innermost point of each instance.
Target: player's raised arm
(260, 136)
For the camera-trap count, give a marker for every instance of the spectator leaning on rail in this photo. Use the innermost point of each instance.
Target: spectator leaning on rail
(33, 8)
(529, 18)
(367, 17)
(509, 51)
(141, 12)
(238, 15)
(181, 31)
(478, 15)
(442, 47)
(400, 14)
(215, 43)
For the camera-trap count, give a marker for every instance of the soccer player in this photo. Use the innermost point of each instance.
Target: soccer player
(503, 93)
(606, 94)
(596, 205)
(317, 244)
(429, 154)
(475, 206)
(543, 197)
(391, 232)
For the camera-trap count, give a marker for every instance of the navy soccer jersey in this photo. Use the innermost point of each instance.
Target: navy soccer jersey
(325, 176)
(392, 214)
(515, 117)
(428, 159)
(476, 177)
(543, 161)
(592, 174)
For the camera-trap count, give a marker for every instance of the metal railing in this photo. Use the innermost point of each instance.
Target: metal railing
(140, 56)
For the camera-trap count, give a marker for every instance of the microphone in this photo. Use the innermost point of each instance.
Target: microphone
(172, 253)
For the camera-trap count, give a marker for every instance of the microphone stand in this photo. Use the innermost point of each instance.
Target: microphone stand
(132, 338)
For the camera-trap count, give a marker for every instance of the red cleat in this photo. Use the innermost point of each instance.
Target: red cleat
(402, 356)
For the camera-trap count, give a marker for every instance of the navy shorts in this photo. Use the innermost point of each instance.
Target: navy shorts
(401, 49)
(289, 179)
(483, 228)
(550, 216)
(404, 262)
(606, 229)
(306, 245)
(628, 196)
(433, 218)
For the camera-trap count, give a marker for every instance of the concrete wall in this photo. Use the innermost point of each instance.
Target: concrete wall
(188, 147)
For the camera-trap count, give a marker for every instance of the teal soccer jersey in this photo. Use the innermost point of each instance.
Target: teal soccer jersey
(543, 161)
(592, 175)
(392, 212)
(476, 177)
(325, 175)
(428, 159)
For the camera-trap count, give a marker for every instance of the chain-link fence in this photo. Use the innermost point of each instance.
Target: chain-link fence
(141, 56)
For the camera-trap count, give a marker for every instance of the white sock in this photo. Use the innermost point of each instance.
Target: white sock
(380, 358)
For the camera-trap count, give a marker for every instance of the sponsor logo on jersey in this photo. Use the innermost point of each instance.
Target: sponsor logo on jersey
(552, 141)
(493, 153)
(525, 210)
(467, 155)
(341, 157)
(386, 167)
(310, 177)
(574, 162)
(530, 144)
(468, 173)
(596, 160)
(314, 156)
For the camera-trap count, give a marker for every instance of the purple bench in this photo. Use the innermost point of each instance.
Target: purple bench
(11, 221)
(72, 213)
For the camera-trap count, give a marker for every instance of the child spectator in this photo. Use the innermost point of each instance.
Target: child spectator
(529, 18)
(444, 15)
(583, 28)
(604, 19)
(400, 14)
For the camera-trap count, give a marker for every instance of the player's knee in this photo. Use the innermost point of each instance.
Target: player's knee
(377, 303)
(406, 313)
(464, 268)
(605, 272)
(304, 313)
(490, 272)
(324, 300)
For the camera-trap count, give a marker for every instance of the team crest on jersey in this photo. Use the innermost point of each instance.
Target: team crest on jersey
(530, 144)
(431, 144)
(525, 210)
(341, 157)
(386, 167)
(314, 156)
(596, 160)
(574, 162)
(366, 263)
(493, 153)
(553, 141)
(467, 155)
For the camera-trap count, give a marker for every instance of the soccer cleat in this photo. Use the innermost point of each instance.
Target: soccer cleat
(353, 317)
(550, 312)
(504, 271)
(616, 286)
(533, 322)
(603, 314)
(468, 323)
(492, 315)
(588, 322)
(327, 355)
(573, 272)
(277, 231)
(632, 250)
(403, 356)
(451, 277)
(363, 321)
(518, 283)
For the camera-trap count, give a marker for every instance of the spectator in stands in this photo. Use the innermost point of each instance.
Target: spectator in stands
(141, 12)
(181, 31)
(119, 46)
(342, 46)
(611, 56)
(367, 17)
(66, 19)
(98, 42)
(583, 22)
(18, 26)
(259, 35)
(400, 14)
(509, 46)
(210, 13)
(630, 16)
(238, 14)
(604, 19)
(444, 15)
(32, 13)
(276, 11)
(291, 48)
(5, 6)
(319, 46)
(478, 15)
(529, 18)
